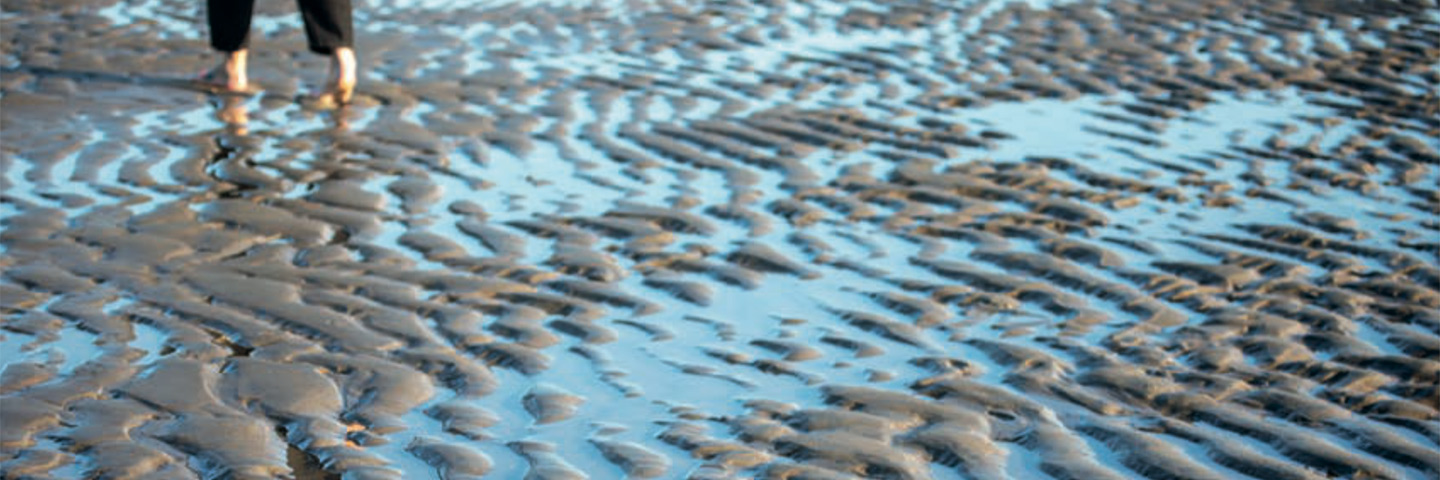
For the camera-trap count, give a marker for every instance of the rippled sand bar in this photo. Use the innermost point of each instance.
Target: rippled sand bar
(783, 239)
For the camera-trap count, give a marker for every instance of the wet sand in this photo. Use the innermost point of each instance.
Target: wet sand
(752, 239)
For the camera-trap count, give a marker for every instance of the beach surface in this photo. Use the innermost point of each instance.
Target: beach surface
(775, 239)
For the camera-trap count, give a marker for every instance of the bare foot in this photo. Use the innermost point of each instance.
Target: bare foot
(229, 75)
(341, 85)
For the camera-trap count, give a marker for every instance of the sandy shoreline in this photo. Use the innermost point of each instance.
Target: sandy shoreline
(781, 240)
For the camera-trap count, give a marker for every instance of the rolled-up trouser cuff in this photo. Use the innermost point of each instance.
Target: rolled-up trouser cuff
(328, 25)
(229, 23)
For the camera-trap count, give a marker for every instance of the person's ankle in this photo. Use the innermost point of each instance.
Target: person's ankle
(235, 66)
(342, 75)
(344, 65)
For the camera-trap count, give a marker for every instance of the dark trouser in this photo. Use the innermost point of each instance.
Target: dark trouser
(327, 24)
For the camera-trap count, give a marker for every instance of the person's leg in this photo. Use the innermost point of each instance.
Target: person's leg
(331, 31)
(229, 23)
(229, 33)
(328, 25)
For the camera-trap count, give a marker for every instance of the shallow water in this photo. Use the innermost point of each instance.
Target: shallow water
(727, 240)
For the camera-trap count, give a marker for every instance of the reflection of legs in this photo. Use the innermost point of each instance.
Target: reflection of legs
(233, 112)
(330, 31)
(229, 33)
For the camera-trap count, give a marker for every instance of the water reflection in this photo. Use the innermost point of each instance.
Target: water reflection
(588, 227)
(232, 111)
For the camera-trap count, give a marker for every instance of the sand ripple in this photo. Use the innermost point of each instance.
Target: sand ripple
(682, 239)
